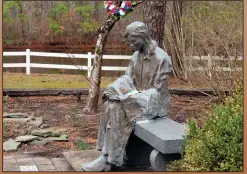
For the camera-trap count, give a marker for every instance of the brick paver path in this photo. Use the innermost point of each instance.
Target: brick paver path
(40, 163)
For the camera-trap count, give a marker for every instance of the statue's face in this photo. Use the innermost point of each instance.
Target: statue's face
(135, 43)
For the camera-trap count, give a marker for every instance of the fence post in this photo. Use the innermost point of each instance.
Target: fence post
(209, 66)
(89, 65)
(28, 61)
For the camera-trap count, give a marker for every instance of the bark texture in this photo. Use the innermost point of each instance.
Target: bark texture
(155, 17)
(95, 80)
(176, 41)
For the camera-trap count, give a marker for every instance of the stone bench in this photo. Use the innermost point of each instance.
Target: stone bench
(155, 142)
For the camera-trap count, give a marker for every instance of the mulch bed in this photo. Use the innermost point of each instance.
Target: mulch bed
(66, 112)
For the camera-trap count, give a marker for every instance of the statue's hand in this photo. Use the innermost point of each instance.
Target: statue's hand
(108, 95)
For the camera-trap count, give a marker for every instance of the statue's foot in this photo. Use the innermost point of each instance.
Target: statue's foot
(98, 165)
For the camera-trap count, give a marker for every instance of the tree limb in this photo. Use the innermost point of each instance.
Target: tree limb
(137, 3)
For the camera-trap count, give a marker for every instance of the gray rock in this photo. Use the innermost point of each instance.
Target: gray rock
(55, 133)
(37, 122)
(37, 142)
(26, 138)
(11, 145)
(42, 132)
(23, 120)
(40, 139)
(46, 132)
(62, 137)
(15, 115)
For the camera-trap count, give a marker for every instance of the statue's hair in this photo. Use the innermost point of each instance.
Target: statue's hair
(139, 29)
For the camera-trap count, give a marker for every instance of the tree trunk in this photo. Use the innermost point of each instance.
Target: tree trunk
(154, 17)
(22, 22)
(177, 45)
(94, 85)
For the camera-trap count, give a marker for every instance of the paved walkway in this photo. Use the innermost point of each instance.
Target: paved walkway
(35, 163)
(43, 162)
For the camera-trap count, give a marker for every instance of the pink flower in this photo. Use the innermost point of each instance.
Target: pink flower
(113, 10)
(110, 3)
(128, 3)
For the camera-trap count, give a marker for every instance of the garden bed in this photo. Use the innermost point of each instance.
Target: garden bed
(66, 112)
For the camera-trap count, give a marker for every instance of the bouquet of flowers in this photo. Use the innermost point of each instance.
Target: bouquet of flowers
(118, 9)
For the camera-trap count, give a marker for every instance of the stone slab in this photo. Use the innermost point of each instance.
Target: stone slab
(62, 137)
(26, 138)
(42, 160)
(37, 121)
(11, 167)
(79, 158)
(9, 161)
(15, 115)
(42, 132)
(163, 134)
(11, 145)
(46, 132)
(62, 164)
(8, 157)
(25, 162)
(29, 168)
(46, 167)
(16, 119)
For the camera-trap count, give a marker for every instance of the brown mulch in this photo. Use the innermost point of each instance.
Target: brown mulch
(66, 112)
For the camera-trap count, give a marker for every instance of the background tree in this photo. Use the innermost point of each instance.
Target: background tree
(209, 29)
(56, 19)
(79, 15)
(13, 11)
(155, 18)
(175, 40)
(161, 14)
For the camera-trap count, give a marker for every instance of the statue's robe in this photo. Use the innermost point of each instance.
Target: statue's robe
(147, 74)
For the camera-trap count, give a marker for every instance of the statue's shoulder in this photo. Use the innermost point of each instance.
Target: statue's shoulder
(161, 54)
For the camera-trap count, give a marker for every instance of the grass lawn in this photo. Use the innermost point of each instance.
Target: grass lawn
(22, 81)
(32, 81)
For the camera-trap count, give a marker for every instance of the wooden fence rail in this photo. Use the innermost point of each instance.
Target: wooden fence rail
(28, 65)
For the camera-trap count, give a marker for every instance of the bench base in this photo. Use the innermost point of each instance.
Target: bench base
(137, 152)
(160, 161)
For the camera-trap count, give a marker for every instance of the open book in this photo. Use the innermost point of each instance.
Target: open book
(120, 88)
(138, 105)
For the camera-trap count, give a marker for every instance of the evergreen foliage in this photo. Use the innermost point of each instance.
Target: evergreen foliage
(218, 145)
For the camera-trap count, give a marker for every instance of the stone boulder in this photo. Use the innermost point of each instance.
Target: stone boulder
(11, 145)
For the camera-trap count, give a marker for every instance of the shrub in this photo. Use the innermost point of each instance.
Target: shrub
(218, 145)
(82, 145)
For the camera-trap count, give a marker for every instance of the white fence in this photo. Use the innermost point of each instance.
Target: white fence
(28, 65)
